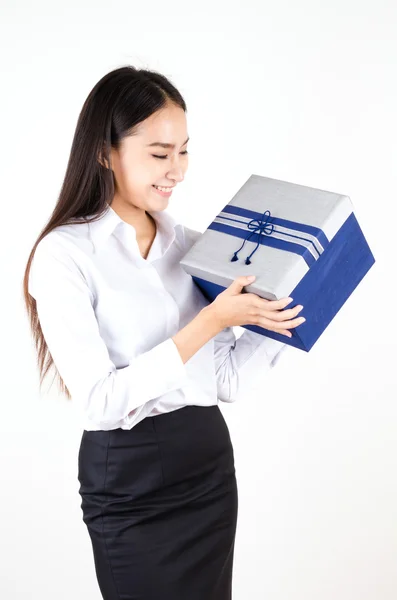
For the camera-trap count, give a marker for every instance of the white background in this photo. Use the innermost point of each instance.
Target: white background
(300, 91)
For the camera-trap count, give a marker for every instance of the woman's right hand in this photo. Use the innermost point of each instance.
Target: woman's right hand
(233, 308)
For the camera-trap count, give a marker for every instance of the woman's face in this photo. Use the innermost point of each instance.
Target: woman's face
(136, 166)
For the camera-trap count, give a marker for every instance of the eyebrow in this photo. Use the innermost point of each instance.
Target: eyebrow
(164, 145)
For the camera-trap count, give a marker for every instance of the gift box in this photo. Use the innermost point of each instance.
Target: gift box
(298, 241)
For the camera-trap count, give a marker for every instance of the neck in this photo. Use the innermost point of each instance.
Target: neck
(143, 223)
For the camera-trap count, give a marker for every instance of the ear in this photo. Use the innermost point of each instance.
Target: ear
(102, 161)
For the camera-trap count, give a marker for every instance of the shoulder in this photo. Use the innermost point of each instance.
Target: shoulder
(66, 240)
(59, 253)
(191, 236)
(72, 235)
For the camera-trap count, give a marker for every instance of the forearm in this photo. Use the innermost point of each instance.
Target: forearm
(196, 333)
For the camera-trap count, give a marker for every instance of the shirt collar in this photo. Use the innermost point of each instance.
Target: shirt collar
(102, 228)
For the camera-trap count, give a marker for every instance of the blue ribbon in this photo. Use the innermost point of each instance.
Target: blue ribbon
(310, 252)
(259, 226)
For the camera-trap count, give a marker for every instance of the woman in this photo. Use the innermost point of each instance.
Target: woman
(142, 353)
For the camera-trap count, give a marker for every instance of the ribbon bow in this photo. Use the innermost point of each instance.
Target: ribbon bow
(258, 226)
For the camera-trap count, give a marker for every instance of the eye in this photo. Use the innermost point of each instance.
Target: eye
(165, 156)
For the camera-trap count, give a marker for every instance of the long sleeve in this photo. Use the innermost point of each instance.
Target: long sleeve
(244, 359)
(106, 394)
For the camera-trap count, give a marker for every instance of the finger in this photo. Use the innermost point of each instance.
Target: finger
(270, 324)
(286, 333)
(275, 304)
(291, 324)
(279, 331)
(283, 315)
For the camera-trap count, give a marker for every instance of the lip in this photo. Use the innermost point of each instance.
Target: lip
(164, 194)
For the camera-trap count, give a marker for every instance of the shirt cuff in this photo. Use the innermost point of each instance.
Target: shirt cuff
(273, 349)
(168, 367)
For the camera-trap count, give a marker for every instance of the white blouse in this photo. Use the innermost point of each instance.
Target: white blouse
(108, 316)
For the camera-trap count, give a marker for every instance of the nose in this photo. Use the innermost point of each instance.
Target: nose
(176, 172)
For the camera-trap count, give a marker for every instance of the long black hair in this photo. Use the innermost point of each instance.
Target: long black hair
(119, 101)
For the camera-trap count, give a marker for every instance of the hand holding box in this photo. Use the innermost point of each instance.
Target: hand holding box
(298, 241)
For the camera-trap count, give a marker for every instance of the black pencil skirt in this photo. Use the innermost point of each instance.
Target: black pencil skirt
(160, 504)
